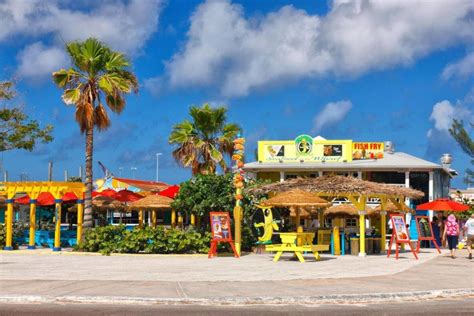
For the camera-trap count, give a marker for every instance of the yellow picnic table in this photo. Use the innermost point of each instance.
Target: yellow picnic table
(297, 243)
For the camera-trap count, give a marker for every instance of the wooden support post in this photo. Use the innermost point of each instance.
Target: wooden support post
(57, 232)
(80, 220)
(337, 241)
(362, 252)
(193, 220)
(153, 218)
(173, 218)
(383, 231)
(32, 242)
(9, 224)
(140, 218)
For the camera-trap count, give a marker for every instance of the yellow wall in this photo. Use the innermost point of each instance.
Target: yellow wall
(273, 176)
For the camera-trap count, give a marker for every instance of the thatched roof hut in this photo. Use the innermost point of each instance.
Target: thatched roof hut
(296, 198)
(152, 202)
(346, 210)
(102, 203)
(338, 185)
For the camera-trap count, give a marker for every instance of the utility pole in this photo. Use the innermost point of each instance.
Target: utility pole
(66, 176)
(133, 169)
(120, 171)
(81, 173)
(50, 171)
(158, 164)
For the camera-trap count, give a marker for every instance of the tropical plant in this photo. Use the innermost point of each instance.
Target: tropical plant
(203, 143)
(465, 141)
(98, 75)
(16, 130)
(117, 239)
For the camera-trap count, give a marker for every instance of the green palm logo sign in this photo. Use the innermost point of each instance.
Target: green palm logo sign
(304, 145)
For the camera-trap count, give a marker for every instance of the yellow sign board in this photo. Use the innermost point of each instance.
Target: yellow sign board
(307, 149)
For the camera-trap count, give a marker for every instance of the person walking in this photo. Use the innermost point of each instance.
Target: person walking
(469, 229)
(435, 227)
(451, 234)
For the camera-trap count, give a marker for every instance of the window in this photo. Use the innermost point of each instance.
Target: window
(291, 176)
(351, 222)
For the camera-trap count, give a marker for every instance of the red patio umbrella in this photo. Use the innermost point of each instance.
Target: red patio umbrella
(170, 192)
(106, 192)
(46, 198)
(127, 196)
(443, 205)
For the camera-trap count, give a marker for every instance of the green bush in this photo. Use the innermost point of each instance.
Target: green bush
(116, 239)
(18, 232)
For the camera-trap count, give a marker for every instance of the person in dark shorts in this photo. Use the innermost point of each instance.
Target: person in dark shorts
(451, 234)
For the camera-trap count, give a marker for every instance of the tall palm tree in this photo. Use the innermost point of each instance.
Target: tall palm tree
(98, 74)
(203, 142)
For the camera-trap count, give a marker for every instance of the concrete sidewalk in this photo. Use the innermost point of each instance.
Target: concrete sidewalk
(253, 279)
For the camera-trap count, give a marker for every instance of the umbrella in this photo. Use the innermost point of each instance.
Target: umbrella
(46, 198)
(443, 205)
(127, 196)
(106, 192)
(346, 210)
(152, 202)
(390, 207)
(170, 192)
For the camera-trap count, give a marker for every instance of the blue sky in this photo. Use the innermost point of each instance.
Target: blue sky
(368, 71)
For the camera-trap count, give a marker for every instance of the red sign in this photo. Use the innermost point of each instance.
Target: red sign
(425, 231)
(220, 231)
(399, 234)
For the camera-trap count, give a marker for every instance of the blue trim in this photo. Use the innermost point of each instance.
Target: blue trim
(31, 247)
(79, 201)
(9, 200)
(33, 201)
(58, 200)
(56, 248)
(7, 248)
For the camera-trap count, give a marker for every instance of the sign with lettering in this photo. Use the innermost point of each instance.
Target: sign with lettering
(367, 150)
(425, 232)
(307, 149)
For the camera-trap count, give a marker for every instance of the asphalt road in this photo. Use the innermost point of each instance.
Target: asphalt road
(461, 306)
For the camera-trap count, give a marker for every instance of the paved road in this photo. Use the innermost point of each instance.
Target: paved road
(461, 306)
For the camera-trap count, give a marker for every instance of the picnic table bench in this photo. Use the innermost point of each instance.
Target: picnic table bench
(298, 243)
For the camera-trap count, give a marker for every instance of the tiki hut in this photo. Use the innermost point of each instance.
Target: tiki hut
(357, 191)
(150, 203)
(390, 207)
(297, 201)
(338, 186)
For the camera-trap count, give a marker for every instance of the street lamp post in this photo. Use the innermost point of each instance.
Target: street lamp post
(158, 164)
(134, 169)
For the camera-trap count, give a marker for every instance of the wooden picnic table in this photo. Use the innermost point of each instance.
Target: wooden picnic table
(297, 243)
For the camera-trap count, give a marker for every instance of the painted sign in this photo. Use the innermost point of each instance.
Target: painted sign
(220, 231)
(425, 232)
(304, 148)
(400, 228)
(367, 150)
(220, 226)
(399, 235)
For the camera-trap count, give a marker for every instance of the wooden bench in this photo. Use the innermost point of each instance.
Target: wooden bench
(298, 250)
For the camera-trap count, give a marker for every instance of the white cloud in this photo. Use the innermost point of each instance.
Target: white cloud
(237, 54)
(332, 113)
(442, 115)
(462, 68)
(37, 61)
(444, 112)
(124, 25)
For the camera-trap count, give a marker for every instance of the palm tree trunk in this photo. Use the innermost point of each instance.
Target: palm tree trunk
(89, 178)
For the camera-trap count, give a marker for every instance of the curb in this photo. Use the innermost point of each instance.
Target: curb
(302, 300)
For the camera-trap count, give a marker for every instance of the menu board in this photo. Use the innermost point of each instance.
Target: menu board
(424, 227)
(399, 228)
(220, 226)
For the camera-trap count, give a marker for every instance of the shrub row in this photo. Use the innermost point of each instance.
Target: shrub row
(117, 239)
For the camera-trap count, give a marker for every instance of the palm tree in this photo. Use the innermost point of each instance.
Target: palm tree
(203, 143)
(98, 74)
